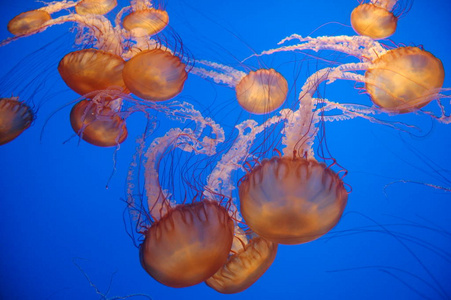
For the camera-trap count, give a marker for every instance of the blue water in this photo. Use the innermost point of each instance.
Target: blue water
(393, 242)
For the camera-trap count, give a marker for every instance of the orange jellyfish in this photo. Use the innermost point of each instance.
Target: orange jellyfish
(374, 19)
(90, 70)
(292, 201)
(28, 21)
(155, 75)
(262, 91)
(188, 244)
(404, 79)
(15, 117)
(96, 7)
(145, 21)
(244, 267)
(98, 124)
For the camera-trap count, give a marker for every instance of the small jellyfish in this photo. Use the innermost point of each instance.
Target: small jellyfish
(262, 91)
(95, 7)
(292, 201)
(98, 124)
(146, 22)
(155, 75)
(188, 244)
(28, 21)
(245, 267)
(404, 79)
(90, 70)
(374, 21)
(15, 117)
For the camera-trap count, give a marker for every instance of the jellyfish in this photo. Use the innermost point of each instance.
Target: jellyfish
(259, 92)
(97, 123)
(244, 267)
(28, 21)
(404, 79)
(375, 19)
(184, 244)
(145, 20)
(188, 244)
(155, 75)
(292, 200)
(15, 117)
(89, 70)
(262, 91)
(95, 7)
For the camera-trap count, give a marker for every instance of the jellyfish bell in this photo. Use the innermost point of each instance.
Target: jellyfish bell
(373, 21)
(404, 79)
(292, 201)
(244, 267)
(28, 21)
(98, 124)
(262, 91)
(15, 117)
(155, 75)
(89, 70)
(95, 7)
(188, 244)
(146, 22)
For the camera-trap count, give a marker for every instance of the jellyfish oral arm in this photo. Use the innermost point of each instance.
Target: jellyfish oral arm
(387, 4)
(357, 46)
(220, 179)
(140, 4)
(218, 73)
(187, 140)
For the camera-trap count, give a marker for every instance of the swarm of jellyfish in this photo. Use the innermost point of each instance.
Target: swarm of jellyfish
(227, 235)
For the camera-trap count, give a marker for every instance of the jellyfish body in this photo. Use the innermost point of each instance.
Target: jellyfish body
(95, 7)
(374, 21)
(155, 75)
(292, 201)
(188, 244)
(404, 79)
(89, 70)
(262, 91)
(245, 267)
(15, 117)
(98, 124)
(146, 22)
(28, 21)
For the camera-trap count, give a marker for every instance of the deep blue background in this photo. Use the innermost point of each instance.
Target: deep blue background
(54, 207)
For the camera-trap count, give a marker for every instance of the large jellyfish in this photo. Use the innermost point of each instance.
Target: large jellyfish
(207, 139)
